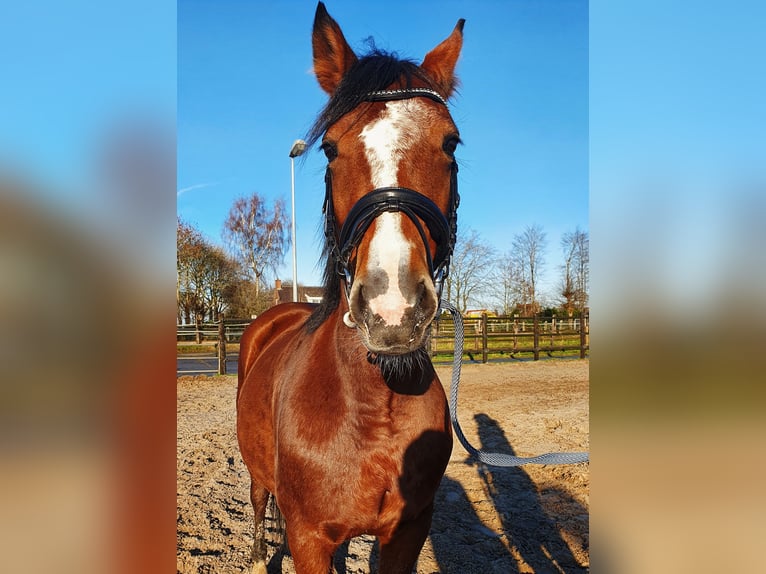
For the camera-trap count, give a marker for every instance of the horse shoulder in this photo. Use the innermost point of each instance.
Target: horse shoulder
(280, 321)
(262, 345)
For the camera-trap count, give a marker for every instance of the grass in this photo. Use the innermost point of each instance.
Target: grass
(503, 345)
(446, 357)
(205, 348)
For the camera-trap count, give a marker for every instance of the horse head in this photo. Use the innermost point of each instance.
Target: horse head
(391, 198)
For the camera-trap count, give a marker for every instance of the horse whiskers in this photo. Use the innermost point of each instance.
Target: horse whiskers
(353, 346)
(391, 366)
(400, 366)
(415, 330)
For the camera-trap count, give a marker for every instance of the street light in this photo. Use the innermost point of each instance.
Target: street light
(298, 148)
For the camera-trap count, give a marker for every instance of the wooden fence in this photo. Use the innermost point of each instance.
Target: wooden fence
(486, 338)
(512, 337)
(220, 333)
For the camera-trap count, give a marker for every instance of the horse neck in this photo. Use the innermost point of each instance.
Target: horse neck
(350, 352)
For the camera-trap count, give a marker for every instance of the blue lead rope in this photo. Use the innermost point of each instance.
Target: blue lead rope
(493, 458)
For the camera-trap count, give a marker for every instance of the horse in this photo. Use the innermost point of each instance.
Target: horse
(341, 419)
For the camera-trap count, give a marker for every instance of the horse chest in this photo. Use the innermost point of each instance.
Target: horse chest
(364, 468)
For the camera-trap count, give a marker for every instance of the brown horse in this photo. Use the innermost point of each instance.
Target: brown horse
(340, 415)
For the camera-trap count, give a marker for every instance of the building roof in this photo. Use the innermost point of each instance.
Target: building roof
(306, 294)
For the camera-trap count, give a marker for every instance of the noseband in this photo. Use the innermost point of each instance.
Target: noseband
(415, 205)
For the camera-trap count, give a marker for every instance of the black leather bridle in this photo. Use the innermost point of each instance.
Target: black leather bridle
(415, 205)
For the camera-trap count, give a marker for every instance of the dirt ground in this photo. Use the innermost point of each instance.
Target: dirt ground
(532, 519)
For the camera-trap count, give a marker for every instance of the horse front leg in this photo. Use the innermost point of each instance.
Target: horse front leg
(311, 551)
(399, 554)
(259, 497)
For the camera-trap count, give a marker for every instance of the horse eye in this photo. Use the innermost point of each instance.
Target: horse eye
(450, 144)
(329, 149)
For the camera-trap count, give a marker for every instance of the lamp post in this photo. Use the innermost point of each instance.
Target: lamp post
(298, 148)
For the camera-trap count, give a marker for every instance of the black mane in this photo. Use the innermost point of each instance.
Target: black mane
(375, 71)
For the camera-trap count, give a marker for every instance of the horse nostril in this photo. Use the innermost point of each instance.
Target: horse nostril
(421, 292)
(357, 302)
(426, 300)
(358, 293)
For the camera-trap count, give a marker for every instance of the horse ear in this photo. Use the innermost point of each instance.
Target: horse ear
(332, 54)
(440, 62)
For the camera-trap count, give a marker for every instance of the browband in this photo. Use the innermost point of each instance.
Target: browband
(389, 95)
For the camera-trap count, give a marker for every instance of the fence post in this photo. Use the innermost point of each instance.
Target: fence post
(553, 331)
(483, 337)
(582, 335)
(433, 332)
(221, 347)
(536, 337)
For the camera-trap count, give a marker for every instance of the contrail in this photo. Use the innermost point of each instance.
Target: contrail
(195, 186)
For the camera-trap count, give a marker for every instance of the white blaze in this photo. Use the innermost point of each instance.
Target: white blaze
(388, 250)
(385, 141)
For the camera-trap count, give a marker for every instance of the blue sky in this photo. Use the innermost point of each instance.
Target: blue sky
(246, 92)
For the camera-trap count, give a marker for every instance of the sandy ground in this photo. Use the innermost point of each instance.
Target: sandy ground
(487, 520)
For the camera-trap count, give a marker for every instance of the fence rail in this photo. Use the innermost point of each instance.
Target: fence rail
(223, 332)
(210, 331)
(512, 336)
(490, 337)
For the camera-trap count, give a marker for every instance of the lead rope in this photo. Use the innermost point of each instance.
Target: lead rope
(493, 458)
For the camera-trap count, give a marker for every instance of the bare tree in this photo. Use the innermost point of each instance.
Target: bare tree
(205, 277)
(220, 275)
(190, 252)
(506, 284)
(257, 235)
(470, 270)
(242, 300)
(575, 271)
(528, 256)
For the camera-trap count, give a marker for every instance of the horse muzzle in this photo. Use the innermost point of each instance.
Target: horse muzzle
(392, 322)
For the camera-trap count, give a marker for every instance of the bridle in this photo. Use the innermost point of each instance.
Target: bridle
(415, 205)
